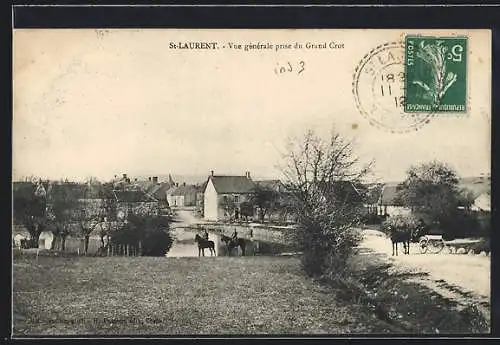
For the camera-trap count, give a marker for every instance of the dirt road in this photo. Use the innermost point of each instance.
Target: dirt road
(463, 278)
(185, 217)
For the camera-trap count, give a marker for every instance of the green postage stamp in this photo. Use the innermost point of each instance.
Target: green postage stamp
(435, 74)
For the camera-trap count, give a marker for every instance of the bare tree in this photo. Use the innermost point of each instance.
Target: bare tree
(62, 213)
(109, 211)
(229, 206)
(321, 177)
(89, 218)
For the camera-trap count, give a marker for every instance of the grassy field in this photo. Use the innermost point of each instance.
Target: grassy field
(211, 295)
(220, 295)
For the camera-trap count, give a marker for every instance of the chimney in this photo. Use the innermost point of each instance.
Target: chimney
(124, 176)
(184, 184)
(247, 174)
(212, 173)
(155, 179)
(149, 178)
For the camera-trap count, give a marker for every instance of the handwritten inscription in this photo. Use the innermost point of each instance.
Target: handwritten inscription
(281, 68)
(289, 67)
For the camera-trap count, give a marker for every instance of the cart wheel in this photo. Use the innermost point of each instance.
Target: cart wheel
(438, 247)
(423, 245)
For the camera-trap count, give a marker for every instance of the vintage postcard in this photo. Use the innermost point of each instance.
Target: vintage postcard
(281, 182)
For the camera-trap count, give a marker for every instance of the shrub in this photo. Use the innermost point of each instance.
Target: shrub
(461, 225)
(472, 316)
(404, 223)
(156, 243)
(326, 246)
(322, 175)
(151, 233)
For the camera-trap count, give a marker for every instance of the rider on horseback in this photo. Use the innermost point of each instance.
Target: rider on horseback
(205, 235)
(235, 237)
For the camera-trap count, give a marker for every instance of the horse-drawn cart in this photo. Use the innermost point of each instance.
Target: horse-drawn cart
(431, 243)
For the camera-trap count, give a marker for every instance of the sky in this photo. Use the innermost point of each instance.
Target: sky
(90, 103)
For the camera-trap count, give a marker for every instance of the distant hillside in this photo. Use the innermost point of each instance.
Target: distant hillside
(188, 179)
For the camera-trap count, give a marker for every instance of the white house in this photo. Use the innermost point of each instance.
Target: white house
(480, 190)
(19, 232)
(45, 240)
(236, 189)
(183, 195)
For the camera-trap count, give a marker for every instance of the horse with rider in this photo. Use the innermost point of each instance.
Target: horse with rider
(233, 242)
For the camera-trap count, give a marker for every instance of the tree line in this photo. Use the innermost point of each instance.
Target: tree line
(68, 211)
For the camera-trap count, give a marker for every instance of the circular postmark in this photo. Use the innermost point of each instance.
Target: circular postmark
(378, 89)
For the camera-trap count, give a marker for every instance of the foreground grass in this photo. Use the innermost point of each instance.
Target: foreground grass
(398, 298)
(219, 295)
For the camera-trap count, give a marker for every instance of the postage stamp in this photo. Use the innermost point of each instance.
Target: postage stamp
(435, 74)
(379, 87)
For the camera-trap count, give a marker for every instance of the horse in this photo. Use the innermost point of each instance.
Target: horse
(398, 236)
(231, 244)
(203, 243)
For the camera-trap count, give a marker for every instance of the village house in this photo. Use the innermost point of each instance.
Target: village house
(200, 194)
(19, 233)
(479, 190)
(121, 183)
(388, 204)
(136, 202)
(182, 196)
(225, 189)
(159, 192)
(275, 185)
(371, 197)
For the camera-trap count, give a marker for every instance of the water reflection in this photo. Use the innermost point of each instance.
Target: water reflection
(185, 245)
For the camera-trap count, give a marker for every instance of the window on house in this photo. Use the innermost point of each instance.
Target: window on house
(236, 198)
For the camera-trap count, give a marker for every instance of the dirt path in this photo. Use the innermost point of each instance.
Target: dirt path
(185, 217)
(462, 278)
